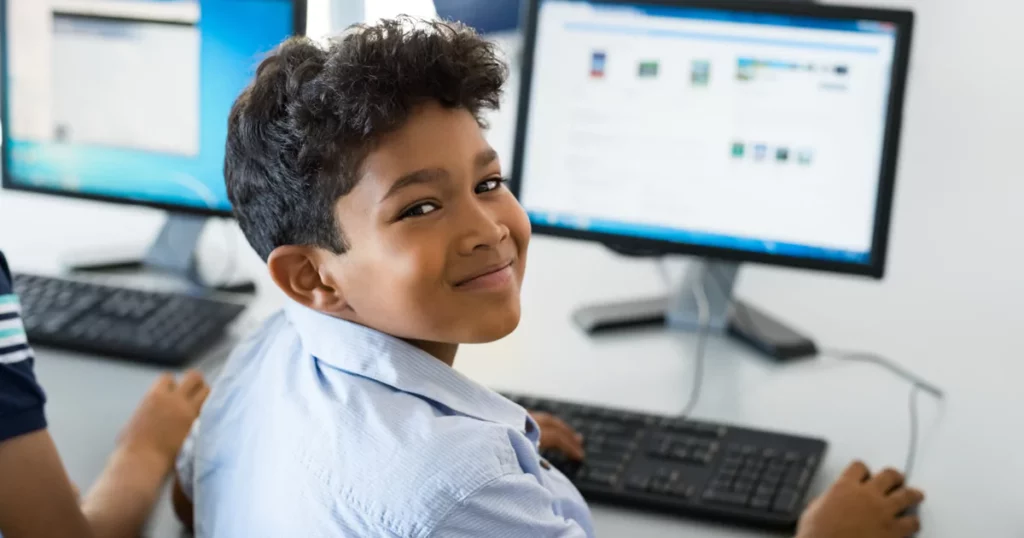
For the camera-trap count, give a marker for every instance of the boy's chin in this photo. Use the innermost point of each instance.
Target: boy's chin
(485, 330)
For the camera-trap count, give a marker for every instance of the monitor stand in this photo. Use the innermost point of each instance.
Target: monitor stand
(680, 310)
(173, 252)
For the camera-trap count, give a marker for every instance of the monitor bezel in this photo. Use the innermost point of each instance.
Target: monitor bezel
(299, 28)
(875, 267)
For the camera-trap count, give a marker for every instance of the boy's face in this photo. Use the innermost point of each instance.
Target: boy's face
(437, 243)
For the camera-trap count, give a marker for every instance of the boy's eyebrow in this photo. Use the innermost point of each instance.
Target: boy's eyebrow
(430, 175)
(426, 175)
(485, 157)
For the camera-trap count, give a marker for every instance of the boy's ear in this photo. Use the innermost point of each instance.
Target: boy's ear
(300, 272)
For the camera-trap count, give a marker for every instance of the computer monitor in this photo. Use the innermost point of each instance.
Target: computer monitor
(127, 100)
(743, 131)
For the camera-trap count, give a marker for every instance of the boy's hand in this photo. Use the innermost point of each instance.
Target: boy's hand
(555, 434)
(163, 419)
(860, 505)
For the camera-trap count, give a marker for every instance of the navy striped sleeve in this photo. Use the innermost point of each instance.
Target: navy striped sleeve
(21, 397)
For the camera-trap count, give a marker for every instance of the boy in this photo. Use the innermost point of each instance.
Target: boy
(360, 173)
(36, 498)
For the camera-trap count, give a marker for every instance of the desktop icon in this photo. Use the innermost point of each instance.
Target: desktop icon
(805, 156)
(760, 152)
(597, 64)
(738, 148)
(700, 73)
(647, 69)
(782, 155)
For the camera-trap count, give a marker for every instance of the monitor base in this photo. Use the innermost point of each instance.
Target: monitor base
(173, 252)
(679, 311)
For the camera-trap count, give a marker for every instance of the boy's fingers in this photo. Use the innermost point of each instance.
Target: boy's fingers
(857, 472)
(191, 383)
(886, 481)
(908, 525)
(566, 443)
(200, 397)
(164, 382)
(904, 498)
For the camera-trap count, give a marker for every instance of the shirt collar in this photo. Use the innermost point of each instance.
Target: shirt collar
(394, 362)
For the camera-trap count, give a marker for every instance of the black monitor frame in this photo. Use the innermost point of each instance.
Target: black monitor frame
(904, 21)
(299, 28)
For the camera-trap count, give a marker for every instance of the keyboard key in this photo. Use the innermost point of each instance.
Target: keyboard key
(791, 457)
(667, 473)
(786, 501)
(596, 476)
(743, 485)
(660, 487)
(725, 497)
(761, 502)
(687, 491)
(797, 477)
(764, 490)
(721, 484)
(638, 482)
(748, 475)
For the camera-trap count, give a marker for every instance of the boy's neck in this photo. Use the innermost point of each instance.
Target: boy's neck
(441, 351)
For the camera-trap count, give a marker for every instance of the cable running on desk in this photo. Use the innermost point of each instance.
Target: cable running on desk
(703, 328)
(917, 383)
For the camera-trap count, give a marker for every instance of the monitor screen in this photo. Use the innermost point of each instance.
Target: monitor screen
(129, 99)
(743, 131)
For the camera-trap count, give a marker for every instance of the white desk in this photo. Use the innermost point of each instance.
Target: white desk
(970, 469)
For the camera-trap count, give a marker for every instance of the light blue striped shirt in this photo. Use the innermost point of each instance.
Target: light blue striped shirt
(321, 427)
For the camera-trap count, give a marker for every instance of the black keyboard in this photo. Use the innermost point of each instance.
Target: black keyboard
(159, 328)
(686, 467)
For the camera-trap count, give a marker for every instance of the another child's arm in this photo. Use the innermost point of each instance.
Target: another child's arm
(859, 505)
(37, 499)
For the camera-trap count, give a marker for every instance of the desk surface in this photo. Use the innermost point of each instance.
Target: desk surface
(861, 409)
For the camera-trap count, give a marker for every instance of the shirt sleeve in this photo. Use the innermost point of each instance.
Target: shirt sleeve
(21, 397)
(512, 506)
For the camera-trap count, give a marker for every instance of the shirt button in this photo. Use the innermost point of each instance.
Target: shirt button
(544, 463)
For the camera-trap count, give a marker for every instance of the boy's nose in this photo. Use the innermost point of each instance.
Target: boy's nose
(483, 231)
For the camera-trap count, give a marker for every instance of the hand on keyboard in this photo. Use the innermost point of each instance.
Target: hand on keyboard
(557, 435)
(859, 505)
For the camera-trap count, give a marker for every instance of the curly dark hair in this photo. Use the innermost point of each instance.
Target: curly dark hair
(299, 133)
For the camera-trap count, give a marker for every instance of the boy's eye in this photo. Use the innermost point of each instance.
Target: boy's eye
(488, 185)
(419, 210)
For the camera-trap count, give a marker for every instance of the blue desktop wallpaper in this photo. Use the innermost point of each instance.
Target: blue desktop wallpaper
(234, 36)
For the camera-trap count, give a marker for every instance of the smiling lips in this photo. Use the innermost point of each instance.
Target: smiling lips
(492, 278)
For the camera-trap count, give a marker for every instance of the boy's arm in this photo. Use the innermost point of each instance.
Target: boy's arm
(36, 498)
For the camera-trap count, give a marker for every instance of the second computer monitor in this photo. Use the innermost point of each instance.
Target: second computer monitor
(750, 131)
(127, 100)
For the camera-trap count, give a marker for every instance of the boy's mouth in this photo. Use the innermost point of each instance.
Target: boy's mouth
(493, 276)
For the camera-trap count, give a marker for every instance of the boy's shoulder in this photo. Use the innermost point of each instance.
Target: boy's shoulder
(342, 450)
